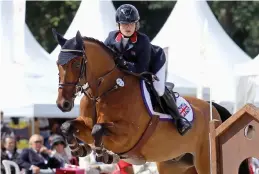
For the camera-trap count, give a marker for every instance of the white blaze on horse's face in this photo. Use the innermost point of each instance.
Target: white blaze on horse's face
(69, 75)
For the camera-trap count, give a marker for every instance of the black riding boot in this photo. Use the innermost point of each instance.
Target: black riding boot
(181, 123)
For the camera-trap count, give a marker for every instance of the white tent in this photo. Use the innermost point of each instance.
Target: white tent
(186, 38)
(37, 73)
(13, 94)
(41, 71)
(43, 84)
(247, 83)
(248, 68)
(182, 86)
(93, 19)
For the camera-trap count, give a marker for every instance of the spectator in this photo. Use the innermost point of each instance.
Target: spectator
(45, 130)
(5, 131)
(21, 132)
(37, 157)
(58, 146)
(9, 152)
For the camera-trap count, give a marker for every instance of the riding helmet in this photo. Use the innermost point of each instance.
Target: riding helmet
(127, 13)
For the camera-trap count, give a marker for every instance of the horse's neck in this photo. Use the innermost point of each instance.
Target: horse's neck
(99, 65)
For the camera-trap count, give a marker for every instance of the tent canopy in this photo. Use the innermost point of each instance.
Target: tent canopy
(31, 85)
(194, 38)
(93, 19)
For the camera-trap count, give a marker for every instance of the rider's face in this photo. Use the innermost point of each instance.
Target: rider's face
(127, 29)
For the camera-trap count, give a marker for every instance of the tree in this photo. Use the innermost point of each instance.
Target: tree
(240, 19)
(42, 16)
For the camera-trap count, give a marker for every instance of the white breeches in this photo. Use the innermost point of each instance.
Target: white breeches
(160, 85)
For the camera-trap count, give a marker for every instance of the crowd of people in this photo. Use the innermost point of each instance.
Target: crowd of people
(46, 152)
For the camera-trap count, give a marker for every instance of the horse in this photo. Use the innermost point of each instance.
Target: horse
(114, 120)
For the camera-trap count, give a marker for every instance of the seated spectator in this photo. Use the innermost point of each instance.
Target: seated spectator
(44, 130)
(9, 152)
(37, 157)
(58, 145)
(5, 130)
(20, 128)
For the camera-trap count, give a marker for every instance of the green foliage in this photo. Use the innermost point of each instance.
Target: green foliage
(240, 19)
(42, 16)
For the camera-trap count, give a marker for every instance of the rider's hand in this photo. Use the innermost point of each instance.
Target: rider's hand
(45, 150)
(122, 62)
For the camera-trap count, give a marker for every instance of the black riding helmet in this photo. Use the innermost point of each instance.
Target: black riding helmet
(127, 13)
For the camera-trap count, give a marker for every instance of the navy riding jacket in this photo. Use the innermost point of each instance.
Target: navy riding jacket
(137, 51)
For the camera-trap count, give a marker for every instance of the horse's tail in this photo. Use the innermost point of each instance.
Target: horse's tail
(223, 112)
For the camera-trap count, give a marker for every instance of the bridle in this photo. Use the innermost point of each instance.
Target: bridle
(83, 88)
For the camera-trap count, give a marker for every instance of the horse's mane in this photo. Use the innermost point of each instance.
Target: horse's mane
(112, 52)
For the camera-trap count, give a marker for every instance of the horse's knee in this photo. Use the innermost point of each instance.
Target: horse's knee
(67, 128)
(99, 130)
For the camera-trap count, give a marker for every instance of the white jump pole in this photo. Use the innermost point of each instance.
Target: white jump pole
(204, 54)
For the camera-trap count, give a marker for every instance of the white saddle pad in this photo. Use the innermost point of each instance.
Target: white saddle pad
(184, 107)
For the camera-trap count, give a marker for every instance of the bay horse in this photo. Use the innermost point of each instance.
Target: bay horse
(114, 120)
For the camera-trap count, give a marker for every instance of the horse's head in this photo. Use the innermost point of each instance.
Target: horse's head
(70, 70)
(80, 61)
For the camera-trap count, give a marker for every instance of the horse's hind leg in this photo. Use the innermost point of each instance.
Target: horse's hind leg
(169, 167)
(191, 170)
(74, 129)
(202, 159)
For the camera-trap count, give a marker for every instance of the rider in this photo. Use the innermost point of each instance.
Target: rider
(136, 49)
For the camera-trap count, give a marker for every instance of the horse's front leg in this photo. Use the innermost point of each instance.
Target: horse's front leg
(102, 155)
(74, 129)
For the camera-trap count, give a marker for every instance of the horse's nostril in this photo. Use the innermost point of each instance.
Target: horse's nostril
(66, 105)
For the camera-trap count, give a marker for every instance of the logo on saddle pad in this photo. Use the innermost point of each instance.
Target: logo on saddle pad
(184, 107)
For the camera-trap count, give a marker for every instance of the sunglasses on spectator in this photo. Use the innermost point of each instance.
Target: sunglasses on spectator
(59, 142)
(38, 141)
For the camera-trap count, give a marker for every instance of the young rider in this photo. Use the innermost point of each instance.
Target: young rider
(136, 49)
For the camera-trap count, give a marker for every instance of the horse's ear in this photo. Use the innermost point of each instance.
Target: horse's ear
(79, 39)
(59, 38)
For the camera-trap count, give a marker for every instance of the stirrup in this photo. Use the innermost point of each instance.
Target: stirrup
(185, 130)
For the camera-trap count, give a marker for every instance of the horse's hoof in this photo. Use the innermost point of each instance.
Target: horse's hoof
(99, 159)
(82, 150)
(116, 158)
(86, 150)
(110, 158)
(105, 158)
